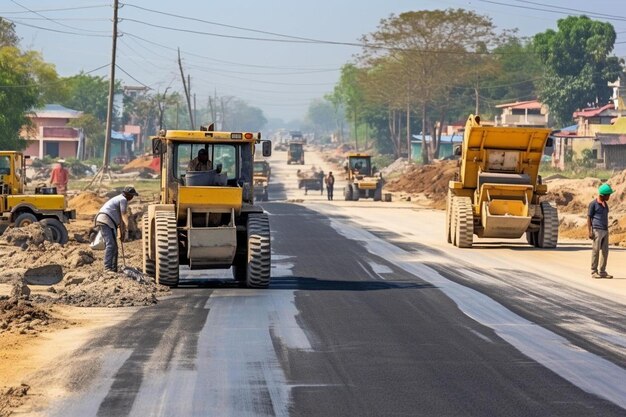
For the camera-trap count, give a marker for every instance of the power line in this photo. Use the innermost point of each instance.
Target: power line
(59, 10)
(604, 15)
(195, 19)
(133, 78)
(52, 20)
(17, 22)
(52, 82)
(131, 35)
(549, 10)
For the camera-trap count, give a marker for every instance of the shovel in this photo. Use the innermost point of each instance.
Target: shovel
(129, 271)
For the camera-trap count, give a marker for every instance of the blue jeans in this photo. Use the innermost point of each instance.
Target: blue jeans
(110, 247)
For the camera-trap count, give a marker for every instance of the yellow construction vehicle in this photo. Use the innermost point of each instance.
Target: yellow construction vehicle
(18, 209)
(262, 173)
(207, 219)
(295, 153)
(498, 190)
(362, 180)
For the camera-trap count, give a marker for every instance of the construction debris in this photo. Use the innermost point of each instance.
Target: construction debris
(429, 180)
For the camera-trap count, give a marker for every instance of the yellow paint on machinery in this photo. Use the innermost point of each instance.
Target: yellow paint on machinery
(19, 209)
(498, 191)
(207, 220)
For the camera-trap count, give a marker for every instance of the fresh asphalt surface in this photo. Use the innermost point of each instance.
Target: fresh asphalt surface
(340, 332)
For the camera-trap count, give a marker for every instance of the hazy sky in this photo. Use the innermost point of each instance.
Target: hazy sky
(281, 78)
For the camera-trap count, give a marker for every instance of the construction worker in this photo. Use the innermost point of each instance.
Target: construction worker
(598, 225)
(201, 162)
(108, 219)
(330, 185)
(59, 177)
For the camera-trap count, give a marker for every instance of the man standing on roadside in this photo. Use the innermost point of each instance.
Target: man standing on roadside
(59, 177)
(109, 218)
(598, 225)
(330, 185)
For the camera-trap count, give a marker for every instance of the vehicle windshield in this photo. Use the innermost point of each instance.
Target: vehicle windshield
(186, 158)
(259, 168)
(5, 165)
(360, 165)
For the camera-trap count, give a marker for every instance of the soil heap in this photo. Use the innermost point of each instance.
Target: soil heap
(431, 180)
(572, 197)
(76, 272)
(86, 203)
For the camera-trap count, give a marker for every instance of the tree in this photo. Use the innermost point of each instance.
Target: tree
(8, 37)
(18, 94)
(321, 116)
(351, 93)
(94, 130)
(578, 65)
(88, 93)
(430, 49)
(239, 116)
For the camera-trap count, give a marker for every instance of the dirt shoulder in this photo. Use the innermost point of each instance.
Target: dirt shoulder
(45, 288)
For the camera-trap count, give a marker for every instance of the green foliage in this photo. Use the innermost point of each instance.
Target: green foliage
(321, 116)
(42, 162)
(8, 37)
(18, 94)
(382, 161)
(87, 93)
(94, 131)
(578, 64)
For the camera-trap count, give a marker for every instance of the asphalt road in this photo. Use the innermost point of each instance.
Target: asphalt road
(352, 325)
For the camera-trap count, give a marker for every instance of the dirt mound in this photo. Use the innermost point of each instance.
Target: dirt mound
(24, 237)
(572, 197)
(12, 397)
(430, 180)
(86, 203)
(140, 164)
(18, 313)
(108, 289)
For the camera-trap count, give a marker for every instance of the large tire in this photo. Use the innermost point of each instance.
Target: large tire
(356, 193)
(57, 229)
(148, 264)
(449, 217)
(259, 266)
(531, 238)
(166, 262)
(548, 235)
(464, 227)
(378, 193)
(240, 267)
(347, 192)
(25, 219)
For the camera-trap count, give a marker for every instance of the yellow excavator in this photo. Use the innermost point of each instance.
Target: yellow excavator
(207, 219)
(498, 192)
(18, 209)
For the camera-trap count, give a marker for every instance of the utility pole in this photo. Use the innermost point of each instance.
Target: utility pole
(195, 110)
(182, 75)
(177, 111)
(109, 124)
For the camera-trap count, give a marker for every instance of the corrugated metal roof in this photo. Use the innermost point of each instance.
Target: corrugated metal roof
(611, 139)
(524, 105)
(593, 112)
(57, 111)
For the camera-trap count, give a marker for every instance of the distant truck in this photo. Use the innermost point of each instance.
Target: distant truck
(311, 180)
(261, 179)
(295, 153)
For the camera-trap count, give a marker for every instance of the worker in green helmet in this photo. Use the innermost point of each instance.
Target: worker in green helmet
(598, 225)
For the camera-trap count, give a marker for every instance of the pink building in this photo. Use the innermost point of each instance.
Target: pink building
(51, 136)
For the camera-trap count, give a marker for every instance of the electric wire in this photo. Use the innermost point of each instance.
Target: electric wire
(54, 21)
(52, 82)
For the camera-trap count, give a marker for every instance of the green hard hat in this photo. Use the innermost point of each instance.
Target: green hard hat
(605, 189)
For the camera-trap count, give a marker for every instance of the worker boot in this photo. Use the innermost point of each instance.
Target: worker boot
(595, 275)
(605, 275)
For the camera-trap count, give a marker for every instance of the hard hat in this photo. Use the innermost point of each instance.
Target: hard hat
(605, 189)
